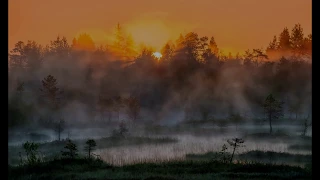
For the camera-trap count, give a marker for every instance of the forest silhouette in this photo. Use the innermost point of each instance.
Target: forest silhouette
(88, 84)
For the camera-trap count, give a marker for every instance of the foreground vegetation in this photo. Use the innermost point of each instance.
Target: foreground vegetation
(76, 160)
(257, 156)
(82, 168)
(52, 149)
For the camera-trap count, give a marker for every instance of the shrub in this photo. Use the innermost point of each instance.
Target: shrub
(71, 150)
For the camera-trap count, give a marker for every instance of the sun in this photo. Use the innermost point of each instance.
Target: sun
(157, 55)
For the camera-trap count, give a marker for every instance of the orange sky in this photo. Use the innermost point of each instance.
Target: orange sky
(236, 24)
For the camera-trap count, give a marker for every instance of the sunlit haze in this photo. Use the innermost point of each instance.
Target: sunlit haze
(237, 25)
(146, 89)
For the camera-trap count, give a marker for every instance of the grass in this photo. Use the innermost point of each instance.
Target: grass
(145, 153)
(51, 149)
(257, 156)
(174, 170)
(275, 157)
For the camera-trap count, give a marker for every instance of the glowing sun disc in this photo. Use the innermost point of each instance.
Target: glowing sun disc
(157, 55)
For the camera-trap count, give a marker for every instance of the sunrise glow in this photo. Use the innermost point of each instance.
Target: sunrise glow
(118, 86)
(157, 55)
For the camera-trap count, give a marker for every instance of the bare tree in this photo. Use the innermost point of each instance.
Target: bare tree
(236, 142)
(306, 125)
(273, 109)
(59, 127)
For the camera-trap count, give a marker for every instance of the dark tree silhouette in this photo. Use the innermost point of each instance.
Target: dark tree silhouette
(17, 57)
(51, 98)
(307, 46)
(235, 143)
(31, 150)
(284, 40)
(27, 57)
(259, 55)
(51, 92)
(119, 38)
(123, 43)
(189, 70)
(59, 48)
(272, 49)
(90, 146)
(59, 127)
(167, 52)
(273, 109)
(71, 150)
(273, 45)
(213, 46)
(306, 125)
(297, 40)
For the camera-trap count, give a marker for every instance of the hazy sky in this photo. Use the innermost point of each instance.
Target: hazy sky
(236, 24)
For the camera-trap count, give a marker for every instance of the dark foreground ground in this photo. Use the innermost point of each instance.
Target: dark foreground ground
(84, 169)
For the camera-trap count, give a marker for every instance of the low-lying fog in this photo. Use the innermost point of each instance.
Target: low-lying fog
(197, 140)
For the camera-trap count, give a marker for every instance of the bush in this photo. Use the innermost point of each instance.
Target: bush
(31, 151)
(71, 150)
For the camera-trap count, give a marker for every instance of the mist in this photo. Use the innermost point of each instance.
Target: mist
(194, 94)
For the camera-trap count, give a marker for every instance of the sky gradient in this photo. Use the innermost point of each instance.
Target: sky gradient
(237, 25)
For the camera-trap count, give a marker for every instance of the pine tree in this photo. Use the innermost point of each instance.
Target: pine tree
(59, 47)
(272, 49)
(213, 46)
(26, 57)
(84, 42)
(50, 92)
(284, 41)
(71, 150)
(297, 40)
(90, 146)
(167, 52)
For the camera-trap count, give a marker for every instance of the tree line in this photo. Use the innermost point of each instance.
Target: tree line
(192, 76)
